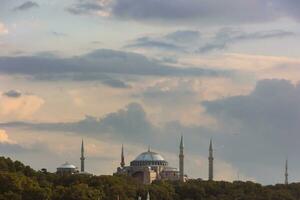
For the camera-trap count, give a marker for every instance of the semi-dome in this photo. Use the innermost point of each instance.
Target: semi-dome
(149, 158)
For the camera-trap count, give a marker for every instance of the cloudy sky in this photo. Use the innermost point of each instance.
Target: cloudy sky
(139, 73)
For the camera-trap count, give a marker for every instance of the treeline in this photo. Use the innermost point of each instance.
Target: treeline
(20, 182)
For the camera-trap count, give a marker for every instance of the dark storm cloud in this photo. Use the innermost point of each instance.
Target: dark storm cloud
(12, 94)
(227, 36)
(96, 64)
(262, 127)
(26, 6)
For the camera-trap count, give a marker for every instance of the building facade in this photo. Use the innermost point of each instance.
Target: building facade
(66, 169)
(150, 166)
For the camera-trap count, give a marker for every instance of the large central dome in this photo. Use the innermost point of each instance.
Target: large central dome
(149, 158)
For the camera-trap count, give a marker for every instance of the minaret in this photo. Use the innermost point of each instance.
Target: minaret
(286, 173)
(148, 196)
(122, 157)
(210, 162)
(82, 158)
(181, 161)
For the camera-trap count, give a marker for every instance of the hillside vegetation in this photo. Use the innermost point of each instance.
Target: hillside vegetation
(20, 182)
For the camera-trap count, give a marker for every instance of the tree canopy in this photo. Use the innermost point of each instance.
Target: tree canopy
(20, 182)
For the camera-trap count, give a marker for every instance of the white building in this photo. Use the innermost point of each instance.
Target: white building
(66, 169)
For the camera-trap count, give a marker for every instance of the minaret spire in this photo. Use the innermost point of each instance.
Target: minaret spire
(181, 160)
(210, 162)
(286, 173)
(82, 158)
(148, 196)
(122, 157)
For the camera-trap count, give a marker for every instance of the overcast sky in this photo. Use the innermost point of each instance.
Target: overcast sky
(139, 73)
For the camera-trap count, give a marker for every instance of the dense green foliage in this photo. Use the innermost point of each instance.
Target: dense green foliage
(19, 182)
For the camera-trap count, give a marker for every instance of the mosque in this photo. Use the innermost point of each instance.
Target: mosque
(67, 169)
(146, 167)
(150, 166)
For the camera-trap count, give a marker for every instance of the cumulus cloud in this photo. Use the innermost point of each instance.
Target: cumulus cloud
(164, 92)
(262, 128)
(254, 131)
(4, 137)
(3, 29)
(9, 146)
(16, 104)
(160, 95)
(26, 6)
(130, 122)
(25, 151)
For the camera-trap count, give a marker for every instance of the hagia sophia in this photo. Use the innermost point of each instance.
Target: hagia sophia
(146, 167)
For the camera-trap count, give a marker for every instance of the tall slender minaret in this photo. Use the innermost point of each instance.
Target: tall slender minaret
(148, 196)
(181, 160)
(122, 157)
(82, 158)
(286, 181)
(210, 162)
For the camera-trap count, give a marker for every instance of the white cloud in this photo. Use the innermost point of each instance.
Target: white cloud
(19, 108)
(3, 29)
(4, 137)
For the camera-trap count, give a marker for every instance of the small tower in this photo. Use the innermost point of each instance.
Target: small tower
(181, 160)
(286, 181)
(122, 157)
(148, 196)
(82, 158)
(210, 162)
